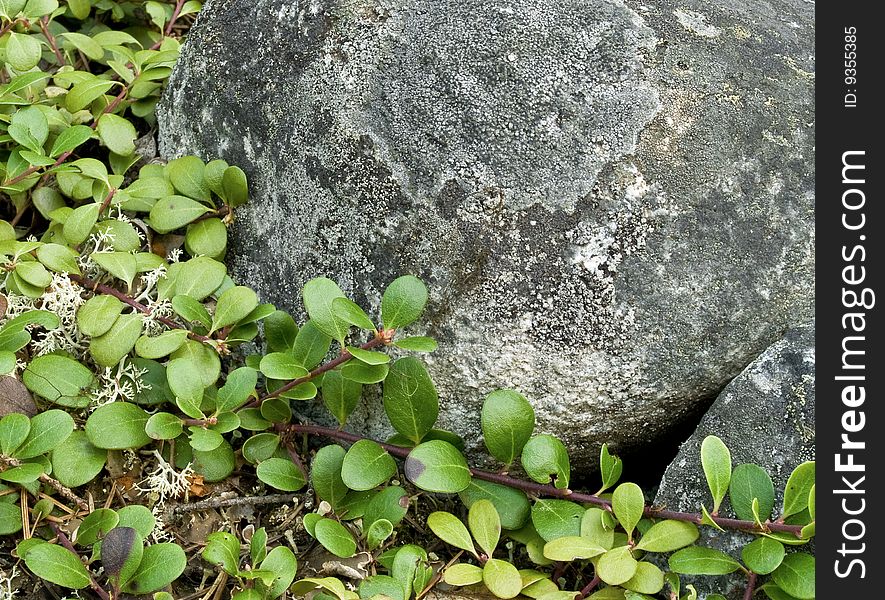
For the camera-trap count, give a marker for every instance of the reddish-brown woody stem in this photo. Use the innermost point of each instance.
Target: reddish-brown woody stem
(101, 288)
(538, 489)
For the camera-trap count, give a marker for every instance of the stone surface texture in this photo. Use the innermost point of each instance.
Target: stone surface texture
(611, 201)
(765, 416)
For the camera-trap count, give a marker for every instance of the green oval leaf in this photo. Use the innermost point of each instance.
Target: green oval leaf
(513, 505)
(48, 430)
(628, 504)
(161, 345)
(763, 555)
(163, 426)
(121, 265)
(160, 565)
(70, 138)
(403, 302)
(350, 312)
(797, 489)
(437, 466)
(234, 304)
(462, 574)
(610, 468)
(340, 395)
(410, 399)
(617, 566)
(76, 461)
(451, 530)
(667, 536)
(60, 259)
(109, 348)
(23, 52)
(223, 549)
(749, 481)
(571, 547)
(118, 426)
(335, 538)
(325, 474)
(695, 560)
(508, 421)
(366, 465)
(360, 372)
(261, 447)
(59, 379)
(545, 459)
(485, 525)
(281, 473)
(117, 134)
(557, 518)
(187, 174)
(96, 525)
(206, 237)
(417, 344)
(795, 575)
(648, 579)
(98, 314)
(501, 578)
(716, 461)
(80, 222)
(281, 365)
(173, 212)
(319, 295)
(57, 565)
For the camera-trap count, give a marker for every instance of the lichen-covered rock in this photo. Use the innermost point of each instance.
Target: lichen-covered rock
(765, 416)
(611, 201)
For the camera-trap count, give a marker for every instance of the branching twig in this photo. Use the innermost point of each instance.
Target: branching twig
(751, 586)
(62, 158)
(585, 591)
(100, 288)
(44, 26)
(345, 356)
(63, 490)
(226, 502)
(538, 489)
(177, 11)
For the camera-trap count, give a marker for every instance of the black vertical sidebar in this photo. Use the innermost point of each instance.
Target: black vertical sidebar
(850, 337)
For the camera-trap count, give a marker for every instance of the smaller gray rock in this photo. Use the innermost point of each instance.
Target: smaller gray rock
(765, 416)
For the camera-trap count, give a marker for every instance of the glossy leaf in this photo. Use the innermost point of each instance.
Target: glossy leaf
(325, 474)
(617, 566)
(57, 565)
(501, 578)
(117, 426)
(508, 421)
(695, 560)
(571, 548)
(335, 538)
(512, 505)
(318, 296)
(796, 575)
(340, 395)
(666, 536)
(281, 474)
(410, 399)
(716, 462)
(451, 530)
(797, 490)
(557, 518)
(437, 466)
(366, 465)
(763, 555)
(403, 302)
(545, 459)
